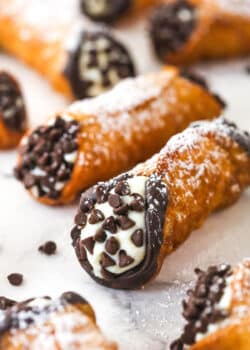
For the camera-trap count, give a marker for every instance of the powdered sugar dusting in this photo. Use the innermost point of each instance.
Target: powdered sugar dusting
(240, 7)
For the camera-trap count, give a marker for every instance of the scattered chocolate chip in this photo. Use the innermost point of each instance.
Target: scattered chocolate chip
(48, 248)
(109, 11)
(137, 203)
(171, 26)
(12, 108)
(137, 238)
(100, 236)
(46, 162)
(110, 225)
(99, 52)
(81, 252)
(125, 222)
(114, 200)
(96, 216)
(122, 188)
(124, 259)
(122, 210)
(16, 279)
(5, 303)
(89, 243)
(106, 260)
(81, 219)
(112, 245)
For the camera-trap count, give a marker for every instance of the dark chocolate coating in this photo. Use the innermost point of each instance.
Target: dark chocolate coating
(112, 10)
(155, 209)
(117, 57)
(12, 108)
(168, 31)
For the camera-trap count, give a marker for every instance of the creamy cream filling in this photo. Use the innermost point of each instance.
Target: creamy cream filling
(96, 7)
(137, 185)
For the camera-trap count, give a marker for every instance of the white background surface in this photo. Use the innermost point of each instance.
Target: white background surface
(146, 319)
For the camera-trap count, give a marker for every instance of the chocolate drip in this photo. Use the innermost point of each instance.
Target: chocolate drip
(171, 26)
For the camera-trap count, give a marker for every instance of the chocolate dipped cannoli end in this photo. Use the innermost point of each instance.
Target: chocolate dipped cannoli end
(217, 310)
(13, 117)
(106, 11)
(126, 227)
(171, 26)
(97, 63)
(59, 324)
(96, 139)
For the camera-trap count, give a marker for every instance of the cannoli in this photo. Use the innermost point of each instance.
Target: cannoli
(13, 117)
(109, 11)
(126, 227)
(185, 31)
(217, 310)
(51, 38)
(96, 139)
(67, 323)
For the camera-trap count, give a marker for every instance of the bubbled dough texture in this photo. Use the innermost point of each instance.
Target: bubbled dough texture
(145, 114)
(204, 171)
(68, 328)
(156, 310)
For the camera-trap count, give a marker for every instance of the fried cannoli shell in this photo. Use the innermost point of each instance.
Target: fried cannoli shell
(125, 228)
(217, 30)
(123, 127)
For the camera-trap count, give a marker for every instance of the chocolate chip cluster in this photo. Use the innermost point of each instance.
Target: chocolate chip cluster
(12, 109)
(48, 158)
(105, 10)
(113, 194)
(171, 26)
(201, 309)
(98, 63)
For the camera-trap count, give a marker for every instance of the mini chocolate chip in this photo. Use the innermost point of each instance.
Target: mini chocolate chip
(122, 210)
(100, 236)
(112, 245)
(101, 194)
(106, 260)
(137, 203)
(110, 225)
(122, 188)
(86, 204)
(16, 279)
(125, 222)
(96, 216)
(81, 219)
(5, 303)
(29, 180)
(114, 200)
(137, 238)
(124, 259)
(89, 243)
(48, 248)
